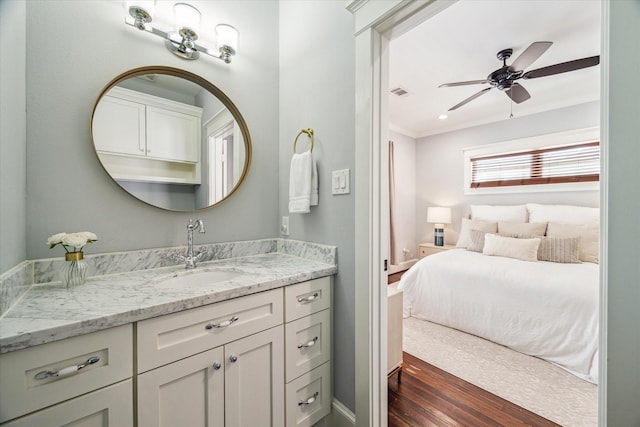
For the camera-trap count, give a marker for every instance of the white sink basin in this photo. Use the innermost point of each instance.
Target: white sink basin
(197, 277)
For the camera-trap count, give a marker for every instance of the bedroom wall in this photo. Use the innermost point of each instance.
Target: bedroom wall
(405, 200)
(440, 173)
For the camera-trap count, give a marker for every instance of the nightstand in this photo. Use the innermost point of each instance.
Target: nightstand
(426, 249)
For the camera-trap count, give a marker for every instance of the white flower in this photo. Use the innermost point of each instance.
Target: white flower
(55, 239)
(77, 240)
(72, 242)
(89, 235)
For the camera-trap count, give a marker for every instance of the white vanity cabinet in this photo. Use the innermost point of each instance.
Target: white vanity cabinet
(80, 381)
(308, 352)
(141, 137)
(236, 381)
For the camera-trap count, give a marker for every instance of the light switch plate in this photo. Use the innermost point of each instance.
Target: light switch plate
(284, 227)
(340, 182)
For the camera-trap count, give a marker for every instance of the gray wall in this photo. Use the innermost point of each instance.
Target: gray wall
(317, 91)
(440, 171)
(623, 358)
(406, 191)
(74, 48)
(13, 136)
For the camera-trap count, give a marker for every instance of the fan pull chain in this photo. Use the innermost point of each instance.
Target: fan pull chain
(511, 105)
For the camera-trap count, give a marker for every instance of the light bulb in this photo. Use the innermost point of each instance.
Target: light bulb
(187, 20)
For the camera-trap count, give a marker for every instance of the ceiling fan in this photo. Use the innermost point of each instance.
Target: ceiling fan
(505, 77)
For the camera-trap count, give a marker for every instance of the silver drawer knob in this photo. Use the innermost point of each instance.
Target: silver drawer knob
(217, 365)
(233, 358)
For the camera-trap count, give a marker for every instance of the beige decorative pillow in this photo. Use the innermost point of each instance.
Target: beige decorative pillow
(471, 224)
(564, 250)
(523, 249)
(528, 228)
(560, 249)
(588, 234)
(476, 242)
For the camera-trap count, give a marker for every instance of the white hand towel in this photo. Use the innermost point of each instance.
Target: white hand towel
(303, 183)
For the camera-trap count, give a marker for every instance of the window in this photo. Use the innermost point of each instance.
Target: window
(566, 161)
(572, 163)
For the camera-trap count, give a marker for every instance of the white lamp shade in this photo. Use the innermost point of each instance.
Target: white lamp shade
(187, 17)
(439, 215)
(226, 35)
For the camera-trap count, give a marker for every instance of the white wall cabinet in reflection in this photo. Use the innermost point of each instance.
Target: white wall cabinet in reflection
(146, 138)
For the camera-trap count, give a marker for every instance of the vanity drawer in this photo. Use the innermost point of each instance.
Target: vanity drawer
(23, 393)
(307, 298)
(165, 339)
(309, 397)
(308, 343)
(111, 406)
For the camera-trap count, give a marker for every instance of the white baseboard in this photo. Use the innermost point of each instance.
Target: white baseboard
(341, 416)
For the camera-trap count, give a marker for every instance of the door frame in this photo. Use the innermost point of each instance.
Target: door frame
(376, 23)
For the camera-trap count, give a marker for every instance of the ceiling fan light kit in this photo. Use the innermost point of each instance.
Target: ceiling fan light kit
(504, 78)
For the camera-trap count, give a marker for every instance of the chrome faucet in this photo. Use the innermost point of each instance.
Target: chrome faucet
(190, 260)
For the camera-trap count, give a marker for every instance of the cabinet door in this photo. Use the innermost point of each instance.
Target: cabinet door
(108, 407)
(254, 380)
(189, 392)
(119, 126)
(172, 135)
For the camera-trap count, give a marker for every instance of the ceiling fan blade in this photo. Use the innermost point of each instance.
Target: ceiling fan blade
(530, 54)
(469, 99)
(517, 93)
(563, 67)
(470, 82)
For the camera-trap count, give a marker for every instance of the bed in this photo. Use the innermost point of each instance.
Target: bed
(544, 309)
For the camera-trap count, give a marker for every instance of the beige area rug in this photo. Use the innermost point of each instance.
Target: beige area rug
(527, 381)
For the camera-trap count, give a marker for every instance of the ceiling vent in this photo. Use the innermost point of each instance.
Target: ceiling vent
(399, 91)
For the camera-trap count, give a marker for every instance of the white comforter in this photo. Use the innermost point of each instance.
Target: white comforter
(543, 309)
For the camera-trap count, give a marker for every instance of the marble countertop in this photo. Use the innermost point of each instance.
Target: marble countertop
(50, 312)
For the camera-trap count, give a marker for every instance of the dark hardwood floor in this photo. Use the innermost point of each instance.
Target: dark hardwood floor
(428, 396)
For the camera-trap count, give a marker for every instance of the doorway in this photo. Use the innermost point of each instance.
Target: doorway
(380, 24)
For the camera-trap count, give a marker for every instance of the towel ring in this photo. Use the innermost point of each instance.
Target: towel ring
(309, 133)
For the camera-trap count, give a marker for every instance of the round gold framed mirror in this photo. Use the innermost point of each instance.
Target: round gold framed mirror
(170, 138)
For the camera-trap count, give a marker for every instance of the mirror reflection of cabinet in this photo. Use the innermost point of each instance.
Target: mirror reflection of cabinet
(145, 138)
(144, 125)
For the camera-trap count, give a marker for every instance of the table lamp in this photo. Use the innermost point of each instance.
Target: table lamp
(439, 216)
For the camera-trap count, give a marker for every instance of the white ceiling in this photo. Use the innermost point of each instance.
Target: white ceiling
(461, 44)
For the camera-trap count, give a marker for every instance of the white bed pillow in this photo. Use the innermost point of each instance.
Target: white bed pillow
(564, 214)
(471, 224)
(589, 238)
(495, 213)
(523, 249)
(525, 228)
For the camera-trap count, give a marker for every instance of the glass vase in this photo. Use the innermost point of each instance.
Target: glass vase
(74, 270)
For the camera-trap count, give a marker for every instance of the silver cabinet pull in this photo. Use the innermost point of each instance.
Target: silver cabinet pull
(66, 371)
(217, 365)
(233, 358)
(309, 343)
(309, 400)
(222, 324)
(309, 298)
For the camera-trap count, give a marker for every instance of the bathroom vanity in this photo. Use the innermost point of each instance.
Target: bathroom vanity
(244, 341)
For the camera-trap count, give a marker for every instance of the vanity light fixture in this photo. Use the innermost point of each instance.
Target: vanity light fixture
(182, 41)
